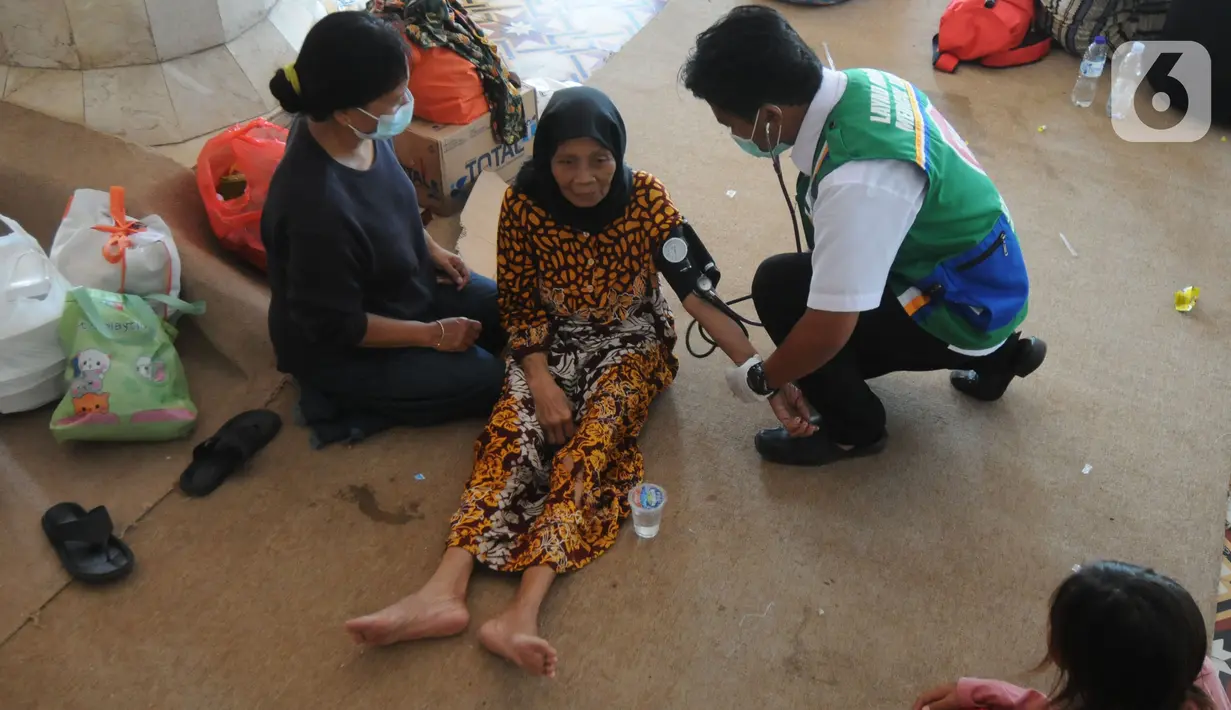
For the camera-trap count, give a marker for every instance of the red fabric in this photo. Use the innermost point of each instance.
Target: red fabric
(253, 149)
(945, 62)
(992, 32)
(446, 86)
(1025, 54)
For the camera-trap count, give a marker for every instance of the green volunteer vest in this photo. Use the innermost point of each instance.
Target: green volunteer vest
(881, 116)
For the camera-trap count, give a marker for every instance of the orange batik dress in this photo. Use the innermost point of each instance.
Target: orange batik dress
(592, 302)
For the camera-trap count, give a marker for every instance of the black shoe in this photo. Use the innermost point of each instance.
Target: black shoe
(776, 446)
(991, 386)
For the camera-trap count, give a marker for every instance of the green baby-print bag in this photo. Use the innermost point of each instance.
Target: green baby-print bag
(125, 380)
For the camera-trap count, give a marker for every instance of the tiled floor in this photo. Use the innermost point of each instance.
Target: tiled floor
(561, 39)
(564, 40)
(199, 80)
(177, 105)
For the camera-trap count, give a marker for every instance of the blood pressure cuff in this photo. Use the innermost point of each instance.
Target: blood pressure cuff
(685, 262)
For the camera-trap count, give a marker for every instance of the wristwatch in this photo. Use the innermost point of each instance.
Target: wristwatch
(757, 381)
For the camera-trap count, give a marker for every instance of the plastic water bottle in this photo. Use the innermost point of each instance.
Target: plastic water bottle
(1124, 82)
(1091, 69)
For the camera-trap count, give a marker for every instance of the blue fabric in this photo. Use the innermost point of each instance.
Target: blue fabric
(381, 388)
(987, 285)
(341, 243)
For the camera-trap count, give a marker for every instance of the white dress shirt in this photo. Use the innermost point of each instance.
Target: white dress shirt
(860, 216)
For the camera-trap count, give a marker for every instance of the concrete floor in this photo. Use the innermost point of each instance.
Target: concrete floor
(849, 587)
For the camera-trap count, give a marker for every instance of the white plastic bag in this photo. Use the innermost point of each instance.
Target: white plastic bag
(99, 246)
(31, 300)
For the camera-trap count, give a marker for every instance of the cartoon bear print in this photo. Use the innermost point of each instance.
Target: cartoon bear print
(91, 403)
(95, 361)
(86, 389)
(87, 383)
(150, 369)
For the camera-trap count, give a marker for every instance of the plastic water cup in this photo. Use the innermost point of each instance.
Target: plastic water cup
(647, 501)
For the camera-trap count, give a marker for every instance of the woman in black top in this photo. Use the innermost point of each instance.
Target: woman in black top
(378, 324)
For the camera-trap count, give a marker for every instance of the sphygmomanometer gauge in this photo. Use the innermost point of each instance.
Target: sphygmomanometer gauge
(675, 250)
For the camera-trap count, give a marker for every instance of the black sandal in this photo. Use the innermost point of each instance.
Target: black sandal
(216, 458)
(85, 543)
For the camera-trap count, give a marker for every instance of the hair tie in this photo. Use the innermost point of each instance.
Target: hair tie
(292, 76)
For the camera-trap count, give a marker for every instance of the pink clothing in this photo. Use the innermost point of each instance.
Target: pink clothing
(999, 695)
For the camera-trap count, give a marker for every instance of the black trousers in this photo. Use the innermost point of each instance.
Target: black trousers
(885, 340)
(378, 388)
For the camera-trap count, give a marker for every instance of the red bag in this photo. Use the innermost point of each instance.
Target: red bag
(446, 86)
(994, 33)
(234, 170)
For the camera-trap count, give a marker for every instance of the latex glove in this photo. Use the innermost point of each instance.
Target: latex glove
(737, 381)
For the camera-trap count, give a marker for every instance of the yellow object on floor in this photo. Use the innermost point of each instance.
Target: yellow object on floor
(1186, 298)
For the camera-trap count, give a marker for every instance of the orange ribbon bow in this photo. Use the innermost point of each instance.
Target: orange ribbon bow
(118, 242)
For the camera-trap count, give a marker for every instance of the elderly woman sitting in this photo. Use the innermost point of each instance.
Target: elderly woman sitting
(591, 339)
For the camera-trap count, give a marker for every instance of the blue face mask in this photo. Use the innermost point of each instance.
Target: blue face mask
(751, 148)
(391, 124)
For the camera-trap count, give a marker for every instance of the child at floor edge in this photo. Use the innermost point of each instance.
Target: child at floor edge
(1123, 637)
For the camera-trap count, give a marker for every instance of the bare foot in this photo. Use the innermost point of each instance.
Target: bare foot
(516, 639)
(418, 616)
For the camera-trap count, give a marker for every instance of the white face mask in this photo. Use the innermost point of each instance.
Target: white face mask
(391, 124)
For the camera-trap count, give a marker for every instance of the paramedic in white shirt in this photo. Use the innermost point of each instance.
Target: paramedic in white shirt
(829, 312)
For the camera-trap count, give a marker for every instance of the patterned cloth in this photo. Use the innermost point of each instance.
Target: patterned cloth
(444, 23)
(591, 302)
(1075, 23)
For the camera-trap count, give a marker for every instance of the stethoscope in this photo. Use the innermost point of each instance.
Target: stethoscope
(799, 248)
(725, 306)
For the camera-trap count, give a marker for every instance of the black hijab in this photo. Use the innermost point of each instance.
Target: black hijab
(577, 112)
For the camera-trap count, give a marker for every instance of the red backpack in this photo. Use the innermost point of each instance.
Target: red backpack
(994, 33)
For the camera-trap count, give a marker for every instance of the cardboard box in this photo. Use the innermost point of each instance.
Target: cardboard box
(480, 217)
(445, 161)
